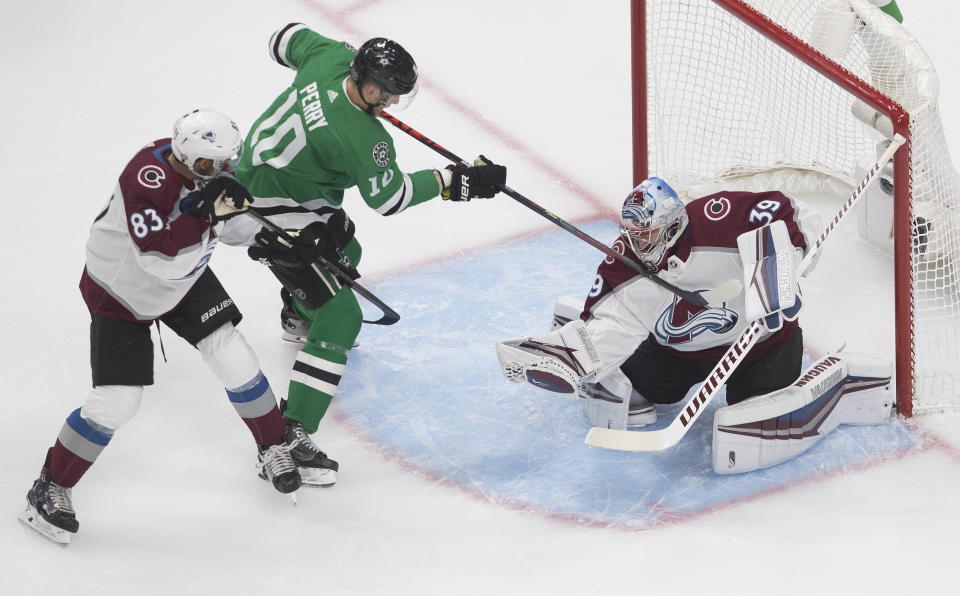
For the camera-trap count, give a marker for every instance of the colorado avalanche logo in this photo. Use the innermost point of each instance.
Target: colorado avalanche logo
(617, 247)
(209, 136)
(717, 209)
(683, 321)
(151, 176)
(639, 209)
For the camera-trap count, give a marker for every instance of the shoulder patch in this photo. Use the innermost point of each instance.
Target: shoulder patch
(716, 208)
(381, 154)
(619, 247)
(151, 176)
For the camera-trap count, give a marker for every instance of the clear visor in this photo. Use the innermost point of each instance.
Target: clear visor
(398, 103)
(215, 167)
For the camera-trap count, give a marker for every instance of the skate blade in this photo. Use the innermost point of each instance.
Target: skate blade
(641, 419)
(317, 477)
(294, 339)
(32, 519)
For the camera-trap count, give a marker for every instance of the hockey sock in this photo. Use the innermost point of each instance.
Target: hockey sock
(78, 445)
(321, 362)
(257, 406)
(313, 383)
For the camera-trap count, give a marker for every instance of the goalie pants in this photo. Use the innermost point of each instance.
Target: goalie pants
(319, 365)
(662, 376)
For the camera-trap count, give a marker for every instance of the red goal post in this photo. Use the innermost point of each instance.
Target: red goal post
(728, 88)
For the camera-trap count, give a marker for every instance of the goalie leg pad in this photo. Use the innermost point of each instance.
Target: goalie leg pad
(566, 309)
(770, 429)
(556, 361)
(613, 403)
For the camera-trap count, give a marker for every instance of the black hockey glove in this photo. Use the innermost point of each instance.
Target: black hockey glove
(218, 200)
(316, 240)
(294, 262)
(482, 180)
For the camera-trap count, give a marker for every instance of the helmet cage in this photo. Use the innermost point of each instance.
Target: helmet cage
(652, 219)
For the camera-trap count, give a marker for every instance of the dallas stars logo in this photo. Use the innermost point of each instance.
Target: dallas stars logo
(381, 154)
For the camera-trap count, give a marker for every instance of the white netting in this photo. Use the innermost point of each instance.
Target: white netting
(725, 102)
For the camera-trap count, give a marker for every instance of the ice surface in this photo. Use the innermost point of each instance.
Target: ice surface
(453, 481)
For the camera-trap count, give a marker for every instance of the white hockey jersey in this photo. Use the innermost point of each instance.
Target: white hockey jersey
(623, 308)
(143, 254)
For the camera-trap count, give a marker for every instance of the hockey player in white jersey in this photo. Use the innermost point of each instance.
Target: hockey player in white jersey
(146, 262)
(633, 344)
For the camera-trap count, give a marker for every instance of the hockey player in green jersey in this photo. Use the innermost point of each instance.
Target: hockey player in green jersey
(320, 136)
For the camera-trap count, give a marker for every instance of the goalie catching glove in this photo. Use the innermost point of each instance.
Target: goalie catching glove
(557, 361)
(482, 180)
(219, 199)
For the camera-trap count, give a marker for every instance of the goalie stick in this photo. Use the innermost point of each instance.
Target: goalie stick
(389, 317)
(715, 296)
(658, 440)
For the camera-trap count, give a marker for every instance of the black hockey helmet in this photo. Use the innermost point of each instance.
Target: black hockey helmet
(386, 63)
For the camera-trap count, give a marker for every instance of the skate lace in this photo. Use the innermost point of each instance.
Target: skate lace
(304, 440)
(60, 498)
(277, 459)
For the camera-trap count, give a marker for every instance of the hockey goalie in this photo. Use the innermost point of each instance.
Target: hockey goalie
(634, 345)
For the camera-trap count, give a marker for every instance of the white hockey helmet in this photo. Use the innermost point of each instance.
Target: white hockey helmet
(206, 134)
(652, 219)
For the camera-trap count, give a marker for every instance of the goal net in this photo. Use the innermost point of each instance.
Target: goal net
(728, 90)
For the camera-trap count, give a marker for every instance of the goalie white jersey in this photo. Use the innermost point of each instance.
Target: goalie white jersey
(624, 308)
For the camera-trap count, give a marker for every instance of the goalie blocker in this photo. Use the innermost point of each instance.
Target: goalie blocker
(769, 429)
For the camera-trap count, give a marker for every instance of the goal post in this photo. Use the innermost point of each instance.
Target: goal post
(724, 89)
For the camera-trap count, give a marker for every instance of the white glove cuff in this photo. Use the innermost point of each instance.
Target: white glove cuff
(445, 177)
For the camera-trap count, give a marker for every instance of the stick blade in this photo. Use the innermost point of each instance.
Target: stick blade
(636, 440)
(722, 293)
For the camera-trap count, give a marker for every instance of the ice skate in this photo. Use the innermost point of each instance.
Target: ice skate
(276, 465)
(315, 467)
(49, 510)
(641, 413)
(294, 329)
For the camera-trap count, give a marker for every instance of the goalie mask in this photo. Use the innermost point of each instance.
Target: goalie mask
(652, 219)
(206, 134)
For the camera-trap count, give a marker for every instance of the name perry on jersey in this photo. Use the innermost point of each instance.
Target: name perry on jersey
(312, 110)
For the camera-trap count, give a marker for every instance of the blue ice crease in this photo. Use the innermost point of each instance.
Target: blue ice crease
(429, 390)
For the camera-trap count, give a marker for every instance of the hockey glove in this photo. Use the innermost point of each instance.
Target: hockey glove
(305, 246)
(310, 283)
(218, 200)
(482, 180)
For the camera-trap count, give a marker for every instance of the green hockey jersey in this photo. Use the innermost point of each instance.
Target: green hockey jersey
(313, 142)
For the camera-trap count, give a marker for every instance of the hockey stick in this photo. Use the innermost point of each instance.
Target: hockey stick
(716, 296)
(389, 317)
(657, 440)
